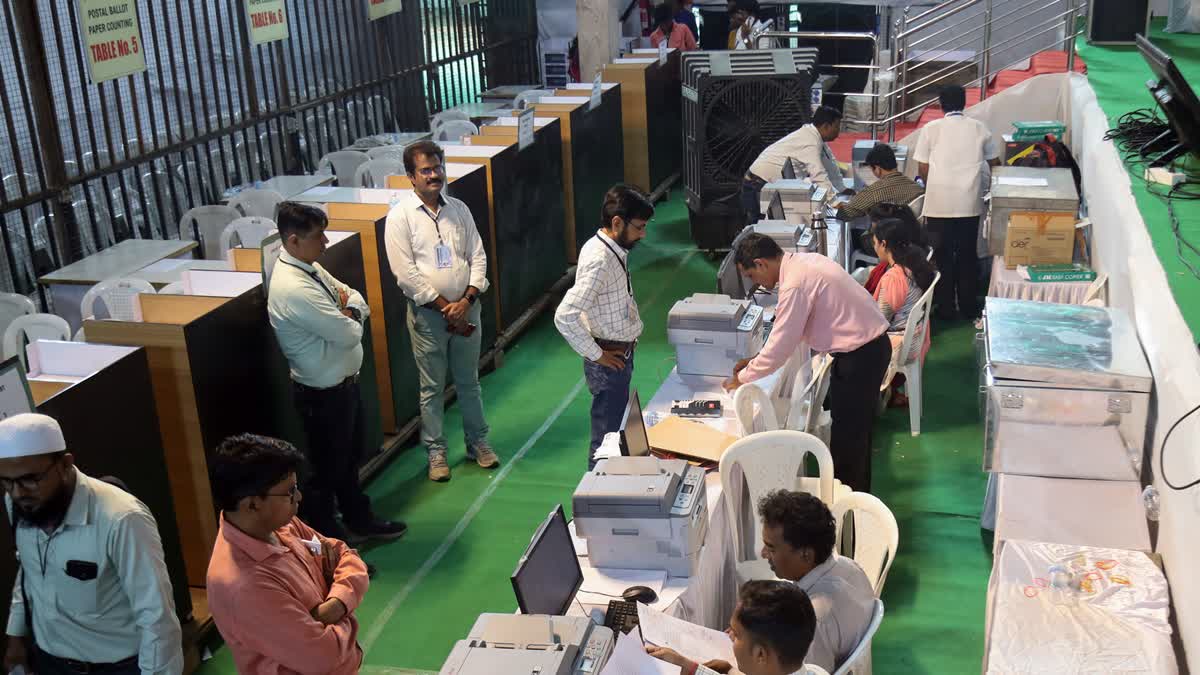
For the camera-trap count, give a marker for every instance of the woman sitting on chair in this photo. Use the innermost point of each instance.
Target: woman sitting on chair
(906, 279)
(881, 211)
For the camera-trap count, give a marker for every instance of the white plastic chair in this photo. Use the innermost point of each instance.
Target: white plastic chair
(808, 398)
(27, 328)
(395, 152)
(173, 288)
(209, 222)
(259, 203)
(119, 297)
(918, 206)
(859, 661)
(876, 535)
(454, 131)
(768, 461)
(754, 410)
(374, 173)
(342, 164)
(246, 232)
(907, 358)
(529, 97)
(447, 116)
(13, 305)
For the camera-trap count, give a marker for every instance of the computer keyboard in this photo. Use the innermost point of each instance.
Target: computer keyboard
(622, 615)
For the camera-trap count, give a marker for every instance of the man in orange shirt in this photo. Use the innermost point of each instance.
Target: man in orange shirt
(282, 595)
(678, 35)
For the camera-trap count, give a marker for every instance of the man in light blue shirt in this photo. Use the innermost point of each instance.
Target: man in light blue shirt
(318, 322)
(92, 585)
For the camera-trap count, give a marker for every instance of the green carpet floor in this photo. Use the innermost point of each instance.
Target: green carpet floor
(1119, 75)
(465, 536)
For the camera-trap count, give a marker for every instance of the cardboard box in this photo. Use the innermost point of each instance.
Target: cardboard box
(1039, 238)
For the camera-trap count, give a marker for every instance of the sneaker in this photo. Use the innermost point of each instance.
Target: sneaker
(334, 530)
(483, 455)
(439, 470)
(371, 570)
(378, 528)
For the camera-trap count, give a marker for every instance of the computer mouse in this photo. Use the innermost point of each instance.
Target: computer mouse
(642, 594)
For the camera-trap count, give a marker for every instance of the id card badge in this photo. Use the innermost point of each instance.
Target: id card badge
(442, 253)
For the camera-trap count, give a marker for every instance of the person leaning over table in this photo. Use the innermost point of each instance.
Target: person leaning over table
(808, 145)
(318, 322)
(435, 251)
(282, 595)
(92, 584)
(822, 306)
(599, 316)
(771, 628)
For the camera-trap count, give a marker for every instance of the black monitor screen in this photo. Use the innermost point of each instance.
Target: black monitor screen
(548, 574)
(634, 440)
(1177, 99)
(775, 208)
(789, 169)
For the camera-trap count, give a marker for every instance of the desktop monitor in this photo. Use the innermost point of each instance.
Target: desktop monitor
(548, 575)
(775, 208)
(1178, 101)
(634, 440)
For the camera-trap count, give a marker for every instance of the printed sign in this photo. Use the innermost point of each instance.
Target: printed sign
(597, 92)
(662, 51)
(377, 9)
(525, 129)
(267, 20)
(15, 397)
(112, 38)
(271, 247)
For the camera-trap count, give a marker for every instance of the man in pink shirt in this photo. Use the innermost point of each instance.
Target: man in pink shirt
(282, 595)
(678, 36)
(824, 307)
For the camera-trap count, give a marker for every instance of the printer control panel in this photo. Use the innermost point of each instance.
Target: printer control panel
(595, 652)
(689, 489)
(751, 316)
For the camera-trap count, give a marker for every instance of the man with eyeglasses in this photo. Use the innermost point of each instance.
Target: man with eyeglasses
(92, 593)
(282, 595)
(437, 256)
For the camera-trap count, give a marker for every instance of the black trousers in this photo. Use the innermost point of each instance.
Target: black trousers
(46, 664)
(334, 423)
(854, 393)
(953, 241)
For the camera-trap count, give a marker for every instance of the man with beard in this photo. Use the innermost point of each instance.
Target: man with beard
(92, 592)
(599, 315)
(437, 255)
(798, 539)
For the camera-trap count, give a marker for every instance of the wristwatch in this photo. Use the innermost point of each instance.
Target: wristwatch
(470, 298)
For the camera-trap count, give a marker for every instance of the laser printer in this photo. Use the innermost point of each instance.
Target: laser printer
(791, 237)
(797, 195)
(713, 332)
(529, 644)
(643, 513)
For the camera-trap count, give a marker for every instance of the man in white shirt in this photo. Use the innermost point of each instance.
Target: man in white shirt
(745, 26)
(953, 156)
(771, 629)
(599, 315)
(437, 256)
(809, 147)
(798, 539)
(318, 323)
(92, 584)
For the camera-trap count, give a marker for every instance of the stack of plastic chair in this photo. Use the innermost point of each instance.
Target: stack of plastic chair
(342, 165)
(246, 232)
(119, 296)
(208, 222)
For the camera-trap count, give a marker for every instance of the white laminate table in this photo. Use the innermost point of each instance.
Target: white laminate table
(171, 270)
(288, 186)
(68, 285)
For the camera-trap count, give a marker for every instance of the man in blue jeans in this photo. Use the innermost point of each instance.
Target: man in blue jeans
(599, 315)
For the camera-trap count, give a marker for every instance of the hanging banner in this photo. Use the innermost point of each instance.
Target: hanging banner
(377, 9)
(112, 39)
(267, 20)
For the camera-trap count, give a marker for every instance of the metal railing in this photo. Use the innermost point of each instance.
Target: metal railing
(956, 30)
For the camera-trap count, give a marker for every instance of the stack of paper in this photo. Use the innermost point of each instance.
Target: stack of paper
(693, 642)
(629, 657)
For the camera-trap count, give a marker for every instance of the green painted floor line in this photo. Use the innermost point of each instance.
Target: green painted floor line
(932, 483)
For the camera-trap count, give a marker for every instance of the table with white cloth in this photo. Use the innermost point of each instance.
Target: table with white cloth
(1060, 608)
(1008, 283)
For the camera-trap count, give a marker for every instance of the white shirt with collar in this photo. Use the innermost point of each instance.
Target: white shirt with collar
(322, 345)
(806, 146)
(601, 304)
(844, 601)
(411, 237)
(98, 585)
(957, 149)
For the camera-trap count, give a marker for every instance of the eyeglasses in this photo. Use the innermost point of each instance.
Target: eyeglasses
(431, 170)
(29, 481)
(291, 494)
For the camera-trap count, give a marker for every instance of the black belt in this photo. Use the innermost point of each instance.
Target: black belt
(85, 667)
(353, 379)
(613, 344)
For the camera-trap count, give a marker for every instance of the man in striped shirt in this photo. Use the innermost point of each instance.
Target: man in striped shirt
(599, 315)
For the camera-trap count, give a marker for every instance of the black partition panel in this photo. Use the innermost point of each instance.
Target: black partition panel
(598, 160)
(664, 120)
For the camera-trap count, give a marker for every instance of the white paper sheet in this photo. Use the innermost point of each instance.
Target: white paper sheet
(629, 657)
(603, 584)
(694, 642)
(1022, 182)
